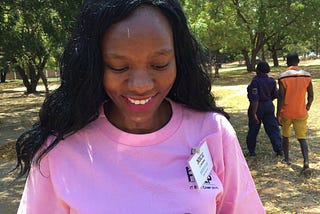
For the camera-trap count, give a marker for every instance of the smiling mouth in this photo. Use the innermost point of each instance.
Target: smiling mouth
(139, 102)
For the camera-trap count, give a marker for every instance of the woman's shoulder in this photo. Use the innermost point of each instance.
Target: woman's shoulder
(205, 115)
(205, 119)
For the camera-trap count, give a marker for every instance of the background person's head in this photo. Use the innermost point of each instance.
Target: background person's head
(292, 59)
(263, 67)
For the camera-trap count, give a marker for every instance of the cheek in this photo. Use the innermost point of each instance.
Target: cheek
(109, 84)
(172, 77)
(170, 81)
(166, 83)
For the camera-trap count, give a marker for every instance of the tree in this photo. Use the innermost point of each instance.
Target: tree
(36, 30)
(251, 18)
(3, 63)
(271, 22)
(208, 21)
(286, 19)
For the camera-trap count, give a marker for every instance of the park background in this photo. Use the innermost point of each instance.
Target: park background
(235, 35)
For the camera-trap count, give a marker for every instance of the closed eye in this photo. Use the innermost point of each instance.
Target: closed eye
(160, 67)
(118, 69)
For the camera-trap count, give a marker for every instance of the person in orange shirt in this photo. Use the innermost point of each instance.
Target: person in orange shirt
(292, 108)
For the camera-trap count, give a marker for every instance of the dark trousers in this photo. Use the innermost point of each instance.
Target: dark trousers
(266, 115)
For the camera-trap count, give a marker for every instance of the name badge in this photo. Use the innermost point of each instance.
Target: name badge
(201, 164)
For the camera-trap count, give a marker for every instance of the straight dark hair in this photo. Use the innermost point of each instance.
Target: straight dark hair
(293, 59)
(76, 102)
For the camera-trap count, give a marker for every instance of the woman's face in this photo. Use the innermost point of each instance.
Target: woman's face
(139, 70)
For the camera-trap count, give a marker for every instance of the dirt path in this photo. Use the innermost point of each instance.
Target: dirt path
(281, 188)
(17, 113)
(10, 190)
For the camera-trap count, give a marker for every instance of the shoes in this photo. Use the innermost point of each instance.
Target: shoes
(306, 172)
(288, 162)
(279, 153)
(250, 154)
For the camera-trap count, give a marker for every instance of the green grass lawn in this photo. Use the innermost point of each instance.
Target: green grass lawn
(282, 189)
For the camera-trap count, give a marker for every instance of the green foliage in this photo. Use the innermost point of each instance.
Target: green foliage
(32, 33)
(37, 30)
(251, 26)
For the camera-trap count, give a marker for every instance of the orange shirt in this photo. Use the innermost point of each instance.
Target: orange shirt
(295, 83)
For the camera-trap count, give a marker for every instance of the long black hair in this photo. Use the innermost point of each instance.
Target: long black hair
(76, 102)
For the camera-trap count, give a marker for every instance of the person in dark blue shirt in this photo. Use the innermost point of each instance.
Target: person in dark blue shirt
(261, 91)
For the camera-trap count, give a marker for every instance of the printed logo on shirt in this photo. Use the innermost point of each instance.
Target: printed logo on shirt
(255, 91)
(209, 184)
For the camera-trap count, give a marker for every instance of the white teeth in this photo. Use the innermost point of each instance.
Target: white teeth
(139, 102)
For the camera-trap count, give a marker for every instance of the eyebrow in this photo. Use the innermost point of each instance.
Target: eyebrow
(157, 53)
(164, 52)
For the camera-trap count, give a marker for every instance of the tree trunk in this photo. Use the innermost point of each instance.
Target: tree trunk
(211, 64)
(41, 73)
(34, 78)
(253, 60)
(44, 80)
(24, 77)
(34, 72)
(257, 45)
(275, 58)
(275, 45)
(217, 64)
(3, 76)
(245, 54)
(263, 55)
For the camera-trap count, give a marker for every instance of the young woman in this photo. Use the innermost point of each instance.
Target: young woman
(118, 134)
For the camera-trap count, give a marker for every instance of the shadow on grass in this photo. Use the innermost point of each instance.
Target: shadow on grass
(282, 188)
(242, 77)
(11, 188)
(17, 113)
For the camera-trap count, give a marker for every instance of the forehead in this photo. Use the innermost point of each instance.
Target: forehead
(143, 20)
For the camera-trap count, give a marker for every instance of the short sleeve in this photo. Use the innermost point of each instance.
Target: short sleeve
(239, 193)
(253, 91)
(39, 195)
(274, 91)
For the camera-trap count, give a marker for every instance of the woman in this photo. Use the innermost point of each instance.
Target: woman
(117, 135)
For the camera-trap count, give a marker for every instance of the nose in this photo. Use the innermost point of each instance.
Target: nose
(140, 80)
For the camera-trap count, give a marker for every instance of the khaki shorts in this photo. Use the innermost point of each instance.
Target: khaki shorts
(299, 126)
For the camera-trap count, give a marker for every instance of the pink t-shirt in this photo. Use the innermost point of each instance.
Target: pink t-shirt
(102, 169)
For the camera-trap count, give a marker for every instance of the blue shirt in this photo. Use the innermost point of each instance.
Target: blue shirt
(262, 88)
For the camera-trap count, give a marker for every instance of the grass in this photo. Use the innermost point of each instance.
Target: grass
(281, 188)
